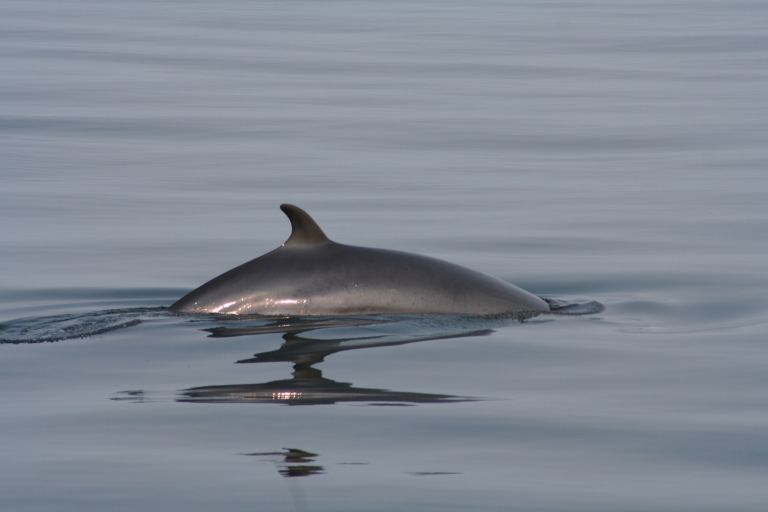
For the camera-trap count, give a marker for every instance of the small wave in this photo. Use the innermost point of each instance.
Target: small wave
(564, 307)
(686, 316)
(51, 328)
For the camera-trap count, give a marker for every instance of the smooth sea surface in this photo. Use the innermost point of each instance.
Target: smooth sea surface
(599, 150)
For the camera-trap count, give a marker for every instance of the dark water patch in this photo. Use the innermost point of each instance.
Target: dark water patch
(292, 462)
(130, 395)
(143, 396)
(301, 470)
(290, 454)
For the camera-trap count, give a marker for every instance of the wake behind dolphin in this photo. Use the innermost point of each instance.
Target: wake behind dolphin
(312, 275)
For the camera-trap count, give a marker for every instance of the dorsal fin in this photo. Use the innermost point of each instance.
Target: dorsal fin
(304, 229)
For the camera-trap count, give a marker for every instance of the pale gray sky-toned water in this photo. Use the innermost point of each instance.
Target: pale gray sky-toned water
(605, 150)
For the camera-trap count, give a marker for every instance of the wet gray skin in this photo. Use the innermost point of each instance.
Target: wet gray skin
(312, 275)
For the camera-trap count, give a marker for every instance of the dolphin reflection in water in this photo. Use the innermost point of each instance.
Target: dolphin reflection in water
(293, 462)
(307, 386)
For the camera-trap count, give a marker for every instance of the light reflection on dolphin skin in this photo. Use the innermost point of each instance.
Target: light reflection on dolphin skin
(311, 275)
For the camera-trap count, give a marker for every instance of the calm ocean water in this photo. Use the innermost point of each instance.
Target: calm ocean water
(600, 150)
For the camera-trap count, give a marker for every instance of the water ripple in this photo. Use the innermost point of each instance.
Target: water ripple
(67, 326)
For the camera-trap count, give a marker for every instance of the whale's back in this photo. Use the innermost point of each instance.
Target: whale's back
(333, 279)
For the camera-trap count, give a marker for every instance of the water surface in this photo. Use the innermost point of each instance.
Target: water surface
(610, 151)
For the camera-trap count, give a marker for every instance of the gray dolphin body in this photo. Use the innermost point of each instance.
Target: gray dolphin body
(312, 275)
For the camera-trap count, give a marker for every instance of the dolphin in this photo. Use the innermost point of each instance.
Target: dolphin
(311, 275)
